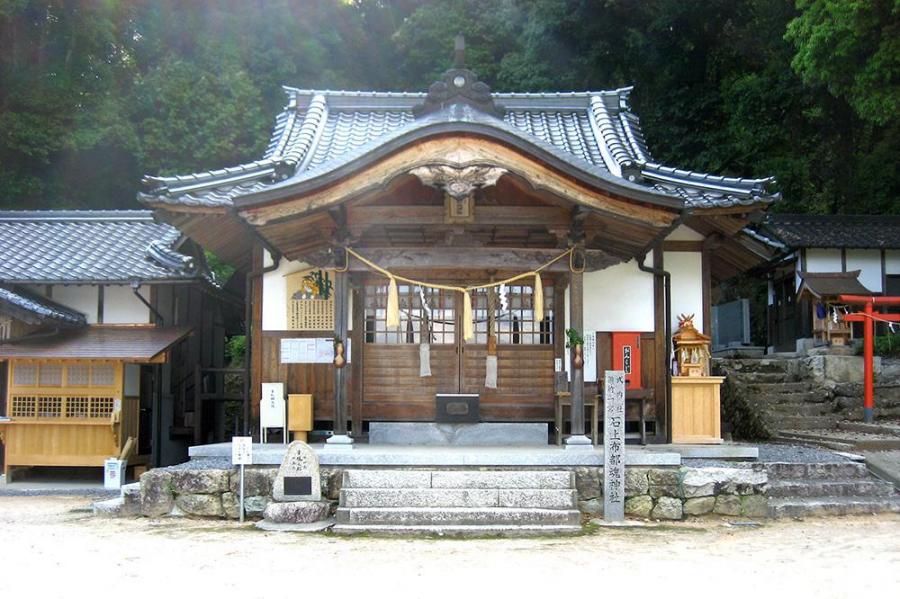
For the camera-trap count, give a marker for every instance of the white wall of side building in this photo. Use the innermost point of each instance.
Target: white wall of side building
(686, 269)
(869, 263)
(83, 298)
(121, 305)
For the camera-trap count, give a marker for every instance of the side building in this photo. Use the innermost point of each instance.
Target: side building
(105, 318)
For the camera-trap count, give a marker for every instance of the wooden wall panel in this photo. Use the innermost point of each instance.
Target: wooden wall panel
(315, 379)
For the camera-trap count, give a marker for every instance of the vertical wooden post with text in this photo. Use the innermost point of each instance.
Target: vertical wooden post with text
(614, 446)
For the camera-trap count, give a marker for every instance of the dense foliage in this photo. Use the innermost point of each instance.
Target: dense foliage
(96, 93)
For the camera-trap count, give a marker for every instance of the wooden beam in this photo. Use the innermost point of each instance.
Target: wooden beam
(366, 216)
(519, 259)
(682, 246)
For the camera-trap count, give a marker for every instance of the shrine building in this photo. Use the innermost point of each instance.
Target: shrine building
(445, 242)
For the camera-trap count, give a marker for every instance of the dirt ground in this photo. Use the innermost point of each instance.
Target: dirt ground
(52, 547)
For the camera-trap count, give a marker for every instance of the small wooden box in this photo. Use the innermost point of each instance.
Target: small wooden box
(300, 412)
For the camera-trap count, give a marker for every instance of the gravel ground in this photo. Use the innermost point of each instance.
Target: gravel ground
(49, 548)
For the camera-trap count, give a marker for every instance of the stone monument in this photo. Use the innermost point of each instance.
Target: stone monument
(297, 491)
(614, 446)
(298, 476)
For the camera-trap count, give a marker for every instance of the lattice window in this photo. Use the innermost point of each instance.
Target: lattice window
(310, 301)
(437, 319)
(103, 375)
(102, 407)
(25, 375)
(50, 375)
(78, 375)
(516, 324)
(78, 407)
(49, 407)
(5, 328)
(23, 406)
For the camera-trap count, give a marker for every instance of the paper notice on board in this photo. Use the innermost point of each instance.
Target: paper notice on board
(589, 353)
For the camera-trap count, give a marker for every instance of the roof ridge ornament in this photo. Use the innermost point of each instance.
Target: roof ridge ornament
(459, 85)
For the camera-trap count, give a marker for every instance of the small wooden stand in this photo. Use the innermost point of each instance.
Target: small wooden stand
(696, 415)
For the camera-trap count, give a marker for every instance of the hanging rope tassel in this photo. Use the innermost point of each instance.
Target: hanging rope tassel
(468, 329)
(538, 298)
(393, 306)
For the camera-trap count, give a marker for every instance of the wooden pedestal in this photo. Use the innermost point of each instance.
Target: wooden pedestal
(696, 415)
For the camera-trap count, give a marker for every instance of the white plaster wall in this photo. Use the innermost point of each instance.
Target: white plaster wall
(869, 263)
(121, 306)
(274, 296)
(619, 298)
(821, 260)
(892, 262)
(683, 233)
(686, 269)
(132, 380)
(78, 297)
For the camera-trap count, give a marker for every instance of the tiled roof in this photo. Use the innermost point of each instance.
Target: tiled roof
(835, 231)
(831, 284)
(138, 344)
(89, 246)
(33, 309)
(318, 131)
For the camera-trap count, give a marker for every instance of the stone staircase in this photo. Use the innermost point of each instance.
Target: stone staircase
(798, 490)
(770, 393)
(128, 503)
(455, 502)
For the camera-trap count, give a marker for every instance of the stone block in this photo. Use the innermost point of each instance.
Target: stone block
(195, 504)
(589, 482)
(591, 507)
(698, 506)
(755, 506)
(639, 506)
(200, 482)
(537, 498)
(704, 482)
(295, 512)
(667, 508)
(254, 505)
(728, 505)
(386, 479)
(636, 482)
(157, 498)
(299, 466)
(257, 480)
(521, 479)
(331, 480)
(664, 483)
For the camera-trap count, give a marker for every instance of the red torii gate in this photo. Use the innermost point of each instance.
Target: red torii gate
(868, 317)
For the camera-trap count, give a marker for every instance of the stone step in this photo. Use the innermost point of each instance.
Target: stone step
(112, 508)
(830, 488)
(515, 498)
(780, 410)
(457, 516)
(760, 377)
(780, 422)
(818, 471)
(873, 428)
(495, 530)
(793, 437)
(782, 388)
(457, 479)
(794, 507)
(812, 398)
(763, 365)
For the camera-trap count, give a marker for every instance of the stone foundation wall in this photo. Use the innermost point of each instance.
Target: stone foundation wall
(670, 493)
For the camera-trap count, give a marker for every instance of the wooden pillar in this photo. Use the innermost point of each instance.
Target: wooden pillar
(576, 321)
(663, 351)
(341, 291)
(356, 366)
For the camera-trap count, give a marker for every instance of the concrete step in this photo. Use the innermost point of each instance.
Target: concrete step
(527, 498)
(830, 488)
(817, 471)
(794, 507)
(457, 516)
(491, 530)
(457, 479)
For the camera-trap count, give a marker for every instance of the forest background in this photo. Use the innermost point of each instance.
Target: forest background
(96, 93)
